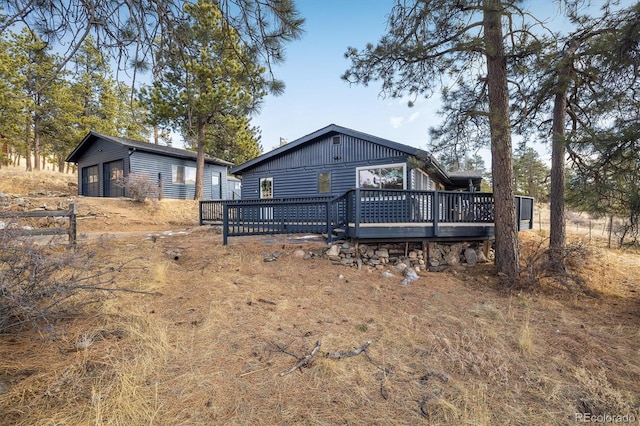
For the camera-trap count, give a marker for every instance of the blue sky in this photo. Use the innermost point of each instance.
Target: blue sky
(315, 96)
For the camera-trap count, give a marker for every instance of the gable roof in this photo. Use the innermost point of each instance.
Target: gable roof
(166, 151)
(430, 162)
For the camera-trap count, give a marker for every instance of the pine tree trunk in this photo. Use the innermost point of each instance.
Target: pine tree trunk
(557, 232)
(199, 193)
(36, 142)
(506, 231)
(27, 145)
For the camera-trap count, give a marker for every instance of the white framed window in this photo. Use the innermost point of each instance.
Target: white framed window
(386, 176)
(422, 181)
(266, 187)
(183, 175)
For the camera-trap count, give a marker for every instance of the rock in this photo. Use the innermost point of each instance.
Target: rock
(452, 257)
(400, 266)
(333, 251)
(409, 275)
(383, 252)
(439, 268)
(387, 274)
(299, 253)
(470, 256)
(481, 257)
(347, 261)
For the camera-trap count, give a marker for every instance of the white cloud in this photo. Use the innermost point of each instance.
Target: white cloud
(399, 121)
(396, 122)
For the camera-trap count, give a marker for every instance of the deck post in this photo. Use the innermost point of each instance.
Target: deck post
(357, 213)
(486, 247)
(329, 225)
(225, 224)
(436, 212)
(426, 252)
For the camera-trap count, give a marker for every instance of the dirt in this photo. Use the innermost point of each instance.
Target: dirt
(211, 333)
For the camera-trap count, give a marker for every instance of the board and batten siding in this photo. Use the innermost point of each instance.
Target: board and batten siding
(158, 167)
(325, 153)
(303, 181)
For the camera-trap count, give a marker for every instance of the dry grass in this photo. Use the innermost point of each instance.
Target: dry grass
(451, 348)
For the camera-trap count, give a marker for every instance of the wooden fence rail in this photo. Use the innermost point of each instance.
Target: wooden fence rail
(16, 217)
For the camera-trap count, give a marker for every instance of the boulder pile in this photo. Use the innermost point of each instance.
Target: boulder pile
(437, 256)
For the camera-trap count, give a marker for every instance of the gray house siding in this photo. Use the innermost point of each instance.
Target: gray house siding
(102, 160)
(159, 169)
(325, 153)
(99, 154)
(295, 173)
(303, 181)
(295, 167)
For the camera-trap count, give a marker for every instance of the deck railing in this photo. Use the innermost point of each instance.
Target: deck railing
(323, 215)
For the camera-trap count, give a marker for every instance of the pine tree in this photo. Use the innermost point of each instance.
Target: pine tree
(209, 82)
(429, 40)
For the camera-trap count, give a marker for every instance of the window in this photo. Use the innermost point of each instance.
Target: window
(92, 174)
(266, 187)
(183, 175)
(422, 182)
(336, 140)
(381, 177)
(324, 182)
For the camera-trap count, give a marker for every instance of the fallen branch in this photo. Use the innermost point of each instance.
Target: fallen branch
(304, 360)
(253, 371)
(358, 351)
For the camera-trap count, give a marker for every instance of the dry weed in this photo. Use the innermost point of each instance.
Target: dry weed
(210, 344)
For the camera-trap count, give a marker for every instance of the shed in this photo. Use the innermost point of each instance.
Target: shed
(336, 159)
(103, 160)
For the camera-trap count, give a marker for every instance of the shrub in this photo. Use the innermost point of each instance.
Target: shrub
(540, 264)
(140, 187)
(41, 284)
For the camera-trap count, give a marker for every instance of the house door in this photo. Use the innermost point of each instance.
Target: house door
(113, 173)
(266, 192)
(216, 187)
(90, 184)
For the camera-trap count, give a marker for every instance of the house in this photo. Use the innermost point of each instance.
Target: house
(234, 188)
(103, 160)
(335, 159)
(347, 184)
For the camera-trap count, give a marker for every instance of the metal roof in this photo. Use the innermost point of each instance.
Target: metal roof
(167, 151)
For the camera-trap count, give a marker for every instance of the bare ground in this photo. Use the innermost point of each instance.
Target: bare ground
(216, 327)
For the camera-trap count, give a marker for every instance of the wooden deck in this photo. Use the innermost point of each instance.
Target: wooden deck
(389, 215)
(408, 231)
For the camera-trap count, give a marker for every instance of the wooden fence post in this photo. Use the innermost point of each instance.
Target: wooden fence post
(73, 224)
